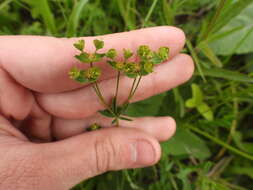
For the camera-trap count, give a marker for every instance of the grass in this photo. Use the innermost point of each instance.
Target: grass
(206, 153)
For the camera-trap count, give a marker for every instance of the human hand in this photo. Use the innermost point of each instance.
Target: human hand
(39, 104)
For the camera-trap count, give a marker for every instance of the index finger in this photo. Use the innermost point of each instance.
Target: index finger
(42, 63)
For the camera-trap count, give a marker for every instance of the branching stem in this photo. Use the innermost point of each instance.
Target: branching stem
(100, 96)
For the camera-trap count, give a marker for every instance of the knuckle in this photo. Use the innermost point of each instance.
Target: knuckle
(105, 155)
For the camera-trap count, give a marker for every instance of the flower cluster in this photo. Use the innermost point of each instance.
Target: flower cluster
(147, 59)
(145, 65)
(93, 73)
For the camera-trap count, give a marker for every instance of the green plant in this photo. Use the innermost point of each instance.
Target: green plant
(135, 70)
(204, 154)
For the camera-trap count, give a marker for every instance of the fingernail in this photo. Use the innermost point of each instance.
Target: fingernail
(143, 153)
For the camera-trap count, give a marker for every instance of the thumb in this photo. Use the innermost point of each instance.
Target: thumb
(70, 161)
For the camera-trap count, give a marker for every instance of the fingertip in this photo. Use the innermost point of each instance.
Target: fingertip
(157, 150)
(175, 36)
(188, 66)
(183, 67)
(170, 125)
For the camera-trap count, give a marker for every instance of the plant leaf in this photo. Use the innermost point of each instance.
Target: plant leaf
(114, 121)
(127, 53)
(205, 111)
(80, 45)
(99, 44)
(98, 57)
(148, 107)
(81, 78)
(186, 143)
(197, 97)
(83, 57)
(106, 113)
(238, 41)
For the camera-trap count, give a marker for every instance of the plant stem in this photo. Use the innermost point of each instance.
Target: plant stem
(218, 141)
(116, 97)
(131, 91)
(117, 89)
(139, 80)
(215, 18)
(100, 96)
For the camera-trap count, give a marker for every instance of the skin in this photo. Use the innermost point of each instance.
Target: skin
(44, 114)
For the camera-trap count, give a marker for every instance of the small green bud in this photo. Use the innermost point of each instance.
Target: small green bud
(92, 74)
(131, 69)
(79, 45)
(112, 63)
(163, 53)
(83, 57)
(74, 73)
(77, 75)
(148, 67)
(144, 52)
(94, 127)
(127, 53)
(112, 53)
(119, 65)
(99, 44)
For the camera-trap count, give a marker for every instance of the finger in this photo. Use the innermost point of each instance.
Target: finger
(82, 103)
(161, 128)
(42, 63)
(7, 130)
(70, 161)
(15, 100)
(37, 126)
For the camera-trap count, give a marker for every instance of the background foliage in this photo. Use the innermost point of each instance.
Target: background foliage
(213, 147)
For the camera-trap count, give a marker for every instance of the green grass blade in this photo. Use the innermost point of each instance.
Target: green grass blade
(75, 18)
(195, 58)
(208, 52)
(42, 8)
(149, 13)
(168, 13)
(220, 142)
(226, 74)
(126, 12)
(216, 16)
(5, 3)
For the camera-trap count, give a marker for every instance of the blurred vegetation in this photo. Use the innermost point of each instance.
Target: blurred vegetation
(213, 146)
